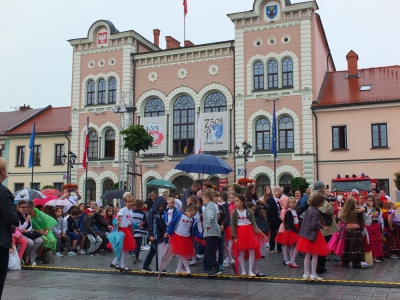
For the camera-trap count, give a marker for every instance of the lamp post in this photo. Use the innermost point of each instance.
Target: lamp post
(245, 154)
(69, 160)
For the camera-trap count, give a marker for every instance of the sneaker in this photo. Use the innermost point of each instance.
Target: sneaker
(78, 247)
(72, 253)
(214, 272)
(142, 248)
(59, 254)
(251, 274)
(365, 265)
(200, 256)
(147, 270)
(147, 247)
(394, 256)
(81, 252)
(376, 260)
(192, 263)
(315, 278)
(92, 254)
(134, 259)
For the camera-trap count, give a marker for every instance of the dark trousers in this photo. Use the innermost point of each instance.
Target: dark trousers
(274, 228)
(211, 252)
(138, 240)
(322, 259)
(150, 256)
(221, 250)
(4, 256)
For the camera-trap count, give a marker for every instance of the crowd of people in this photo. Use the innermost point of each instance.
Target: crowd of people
(220, 228)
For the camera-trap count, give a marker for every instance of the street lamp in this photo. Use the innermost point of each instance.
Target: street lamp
(245, 154)
(69, 160)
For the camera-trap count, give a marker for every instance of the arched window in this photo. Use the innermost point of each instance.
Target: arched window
(285, 179)
(262, 181)
(150, 189)
(90, 92)
(154, 108)
(109, 146)
(258, 72)
(101, 92)
(263, 134)
(112, 90)
(286, 139)
(183, 125)
(287, 73)
(93, 144)
(272, 74)
(215, 102)
(182, 183)
(90, 190)
(107, 186)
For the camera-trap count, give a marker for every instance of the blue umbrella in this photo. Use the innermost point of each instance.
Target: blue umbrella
(205, 164)
(116, 240)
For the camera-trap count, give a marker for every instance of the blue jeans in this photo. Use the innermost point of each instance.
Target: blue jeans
(221, 250)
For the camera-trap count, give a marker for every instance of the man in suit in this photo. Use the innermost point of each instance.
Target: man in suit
(273, 218)
(8, 217)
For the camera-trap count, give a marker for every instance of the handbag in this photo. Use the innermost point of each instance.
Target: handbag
(367, 219)
(33, 235)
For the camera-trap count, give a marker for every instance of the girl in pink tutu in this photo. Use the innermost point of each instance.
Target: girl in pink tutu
(311, 241)
(244, 233)
(124, 223)
(182, 230)
(290, 236)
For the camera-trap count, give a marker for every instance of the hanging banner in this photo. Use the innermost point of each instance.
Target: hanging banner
(157, 128)
(214, 131)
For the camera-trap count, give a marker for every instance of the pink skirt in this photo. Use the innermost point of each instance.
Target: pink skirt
(318, 247)
(129, 240)
(182, 246)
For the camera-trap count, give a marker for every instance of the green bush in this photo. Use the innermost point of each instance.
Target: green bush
(299, 183)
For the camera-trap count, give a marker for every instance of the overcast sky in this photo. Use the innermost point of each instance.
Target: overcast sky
(35, 57)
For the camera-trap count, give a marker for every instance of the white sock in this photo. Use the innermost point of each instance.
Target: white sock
(252, 258)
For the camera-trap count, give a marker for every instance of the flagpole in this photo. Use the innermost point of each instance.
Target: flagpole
(33, 160)
(87, 165)
(275, 146)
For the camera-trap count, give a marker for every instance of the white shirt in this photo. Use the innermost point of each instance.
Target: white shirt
(126, 217)
(72, 199)
(183, 228)
(178, 204)
(294, 214)
(243, 219)
(170, 211)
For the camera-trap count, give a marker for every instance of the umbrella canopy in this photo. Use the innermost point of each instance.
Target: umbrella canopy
(27, 194)
(113, 194)
(43, 201)
(205, 164)
(166, 256)
(161, 183)
(52, 192)
(116, 240)
(65, 204)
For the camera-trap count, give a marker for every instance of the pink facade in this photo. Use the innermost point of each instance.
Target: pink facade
(284, 41)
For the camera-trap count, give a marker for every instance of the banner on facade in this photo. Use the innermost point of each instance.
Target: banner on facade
(214, 131)
(157, 128)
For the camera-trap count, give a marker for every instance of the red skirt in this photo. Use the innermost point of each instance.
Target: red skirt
(129, 240)
(228, 233)
(375, 240)
(200, 241)
(181, 245)
(318, 247)
(288, 238)
(246, 238)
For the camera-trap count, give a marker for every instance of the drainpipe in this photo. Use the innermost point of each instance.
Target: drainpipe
(133, 120)
(233, 109)
(316, 145)
(68, 168)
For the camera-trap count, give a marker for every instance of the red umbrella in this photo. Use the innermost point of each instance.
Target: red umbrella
(51, 192)
(43, 201)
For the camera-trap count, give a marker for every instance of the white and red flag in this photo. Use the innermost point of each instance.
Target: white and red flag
(185, 7)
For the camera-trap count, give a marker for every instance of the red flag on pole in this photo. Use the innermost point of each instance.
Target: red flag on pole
(185, 7)
(85, 149)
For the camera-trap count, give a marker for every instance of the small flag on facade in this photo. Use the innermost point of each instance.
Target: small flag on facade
(32, 148)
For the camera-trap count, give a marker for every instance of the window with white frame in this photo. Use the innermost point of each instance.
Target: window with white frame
(91, 89)
(258, 73)
(101, 92)
(93, 144)
(112, 90)
(272, 74)
(287, 73)
(263, 132)
(286, 137)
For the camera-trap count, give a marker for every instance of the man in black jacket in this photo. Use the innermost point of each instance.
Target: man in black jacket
(8, 217)
(273, 218)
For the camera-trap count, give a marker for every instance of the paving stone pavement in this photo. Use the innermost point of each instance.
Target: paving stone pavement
(36, 284)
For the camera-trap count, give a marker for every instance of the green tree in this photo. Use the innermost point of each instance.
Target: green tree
(299, 183)
(136, 138)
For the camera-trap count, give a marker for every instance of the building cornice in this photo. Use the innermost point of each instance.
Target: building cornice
(355, 106)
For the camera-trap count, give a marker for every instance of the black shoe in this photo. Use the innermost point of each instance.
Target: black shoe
(147, 270)
(114, 266)
(259, 274)
(164, 271)
(124, 269)
(213, 272)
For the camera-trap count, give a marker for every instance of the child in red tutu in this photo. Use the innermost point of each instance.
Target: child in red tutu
(311, 241)
(244, 233)
(374, 230)
(124, 223)
(290, 236)
(181, 230)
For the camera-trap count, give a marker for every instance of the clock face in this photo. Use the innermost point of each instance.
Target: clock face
(271, 11)
(102, 38)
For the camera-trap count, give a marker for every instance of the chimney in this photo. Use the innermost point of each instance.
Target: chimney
(23, 108)
(188, 43)
(156, 33)
(172, 43)
(352, 64)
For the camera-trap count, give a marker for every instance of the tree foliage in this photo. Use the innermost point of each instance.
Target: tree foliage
(299, 183)
(136, 138)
